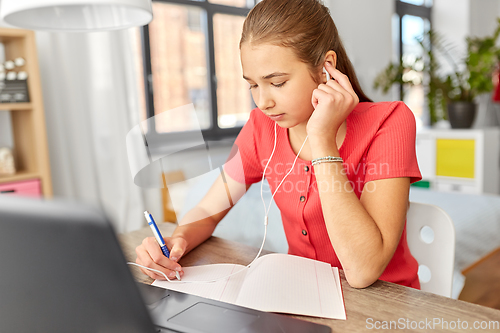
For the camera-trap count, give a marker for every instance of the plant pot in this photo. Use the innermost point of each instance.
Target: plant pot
(461, 114)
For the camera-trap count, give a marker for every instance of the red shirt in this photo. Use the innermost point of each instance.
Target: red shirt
(379, 144)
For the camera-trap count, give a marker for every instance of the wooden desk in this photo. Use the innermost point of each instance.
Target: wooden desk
(382, 301)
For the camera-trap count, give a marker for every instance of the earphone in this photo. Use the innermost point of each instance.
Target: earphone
(328, 77)
(266, 216)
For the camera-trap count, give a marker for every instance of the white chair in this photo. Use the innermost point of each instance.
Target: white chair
(431, 239)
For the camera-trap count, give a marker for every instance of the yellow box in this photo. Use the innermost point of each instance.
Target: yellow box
(455, 158)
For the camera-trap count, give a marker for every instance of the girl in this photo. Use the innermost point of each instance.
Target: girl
(345, 199)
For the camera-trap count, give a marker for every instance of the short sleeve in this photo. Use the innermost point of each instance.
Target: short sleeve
(243, 163)
(392, 152)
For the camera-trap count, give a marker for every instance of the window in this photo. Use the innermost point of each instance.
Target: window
(190, 55)
(414, 18)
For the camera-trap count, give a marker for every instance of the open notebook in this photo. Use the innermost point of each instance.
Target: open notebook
(274, 283)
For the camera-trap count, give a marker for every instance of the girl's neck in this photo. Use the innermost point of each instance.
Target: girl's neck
(298, 134)
(296, 137)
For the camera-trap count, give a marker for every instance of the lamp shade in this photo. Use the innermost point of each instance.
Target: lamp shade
(76, 15)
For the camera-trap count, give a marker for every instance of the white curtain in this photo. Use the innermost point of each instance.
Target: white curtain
(91, 102)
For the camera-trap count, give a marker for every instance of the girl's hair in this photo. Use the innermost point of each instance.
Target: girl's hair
(305, 26)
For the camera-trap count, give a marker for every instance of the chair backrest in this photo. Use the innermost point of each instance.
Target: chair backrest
(431, 239)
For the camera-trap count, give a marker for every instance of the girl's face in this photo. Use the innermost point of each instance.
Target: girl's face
(281, 85)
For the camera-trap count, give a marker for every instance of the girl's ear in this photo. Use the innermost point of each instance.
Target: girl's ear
(331, 57)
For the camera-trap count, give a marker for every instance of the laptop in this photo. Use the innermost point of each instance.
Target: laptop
(62, 270)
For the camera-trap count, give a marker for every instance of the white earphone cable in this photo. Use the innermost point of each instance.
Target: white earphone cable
(266, 209)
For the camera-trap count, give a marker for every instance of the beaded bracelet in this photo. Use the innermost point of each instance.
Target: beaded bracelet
(327, 159)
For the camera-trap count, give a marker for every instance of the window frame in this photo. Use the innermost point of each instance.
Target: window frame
(402, 9)
(215, 133)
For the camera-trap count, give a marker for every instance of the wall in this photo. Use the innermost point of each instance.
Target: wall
(458, 19)
(483, 21)
(450, 18)
(6, 139)
(5, 122)
(483, 16)
(365, 27)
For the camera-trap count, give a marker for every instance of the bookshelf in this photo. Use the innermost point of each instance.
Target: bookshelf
(29, 136)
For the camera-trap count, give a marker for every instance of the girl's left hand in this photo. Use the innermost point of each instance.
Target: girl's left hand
(333, 102)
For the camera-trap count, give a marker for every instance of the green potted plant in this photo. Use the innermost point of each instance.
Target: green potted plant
(452, 95)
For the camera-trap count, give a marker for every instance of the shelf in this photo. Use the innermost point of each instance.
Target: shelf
(27, 120)
(461, 180)
(18, 177)
(15, 106)
(7, 35)
(463, 161)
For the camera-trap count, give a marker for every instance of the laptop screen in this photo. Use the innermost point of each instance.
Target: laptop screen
(62, 270)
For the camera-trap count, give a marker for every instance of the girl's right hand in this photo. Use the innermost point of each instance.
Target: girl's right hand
(149, 254)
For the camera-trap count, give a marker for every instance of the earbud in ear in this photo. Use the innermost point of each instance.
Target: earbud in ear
(327, 74)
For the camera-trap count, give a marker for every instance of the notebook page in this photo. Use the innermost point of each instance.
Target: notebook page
(225, 290)
(340, 310)
(290, 284)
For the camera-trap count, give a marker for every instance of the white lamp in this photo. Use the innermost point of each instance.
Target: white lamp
(76, 15)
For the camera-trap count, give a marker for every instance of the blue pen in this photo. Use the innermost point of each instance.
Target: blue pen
(159, 238)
